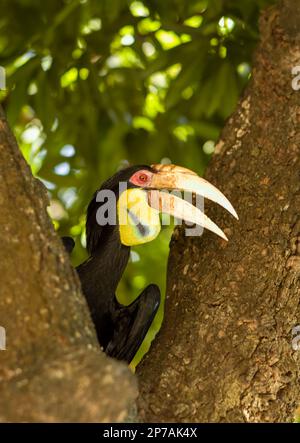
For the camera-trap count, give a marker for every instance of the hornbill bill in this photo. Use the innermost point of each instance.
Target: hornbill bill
(121, 329)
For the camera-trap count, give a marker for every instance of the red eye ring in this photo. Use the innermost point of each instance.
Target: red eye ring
(143, 177)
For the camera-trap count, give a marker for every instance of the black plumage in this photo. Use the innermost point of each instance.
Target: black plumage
(120, 329)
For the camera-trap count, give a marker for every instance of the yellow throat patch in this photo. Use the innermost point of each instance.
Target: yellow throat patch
(138, 222)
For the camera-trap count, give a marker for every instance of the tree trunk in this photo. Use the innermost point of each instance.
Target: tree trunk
(225, 350)
(52, 368)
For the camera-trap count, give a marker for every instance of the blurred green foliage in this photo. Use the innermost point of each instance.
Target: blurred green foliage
(95, 84)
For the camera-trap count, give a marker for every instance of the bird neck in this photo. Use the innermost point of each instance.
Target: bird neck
(101, 273)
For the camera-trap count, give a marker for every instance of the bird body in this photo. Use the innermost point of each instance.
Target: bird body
(121, 329)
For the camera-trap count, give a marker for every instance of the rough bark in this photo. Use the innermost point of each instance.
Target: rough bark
(224, 352)
(52, 368)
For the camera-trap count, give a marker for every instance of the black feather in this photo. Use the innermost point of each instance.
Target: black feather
(68, 243)
(96, 234)
(120, 329)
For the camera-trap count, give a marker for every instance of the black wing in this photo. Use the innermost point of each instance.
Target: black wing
(131, 324)
(68, 243)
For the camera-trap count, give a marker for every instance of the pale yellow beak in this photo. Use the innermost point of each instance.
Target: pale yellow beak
(171, 177)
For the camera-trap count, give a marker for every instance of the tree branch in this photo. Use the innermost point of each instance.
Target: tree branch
(52, 369)
(224, 352)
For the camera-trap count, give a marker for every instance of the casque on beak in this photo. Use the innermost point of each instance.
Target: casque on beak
(171, 177)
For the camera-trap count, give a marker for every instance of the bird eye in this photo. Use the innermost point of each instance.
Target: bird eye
(143, 177)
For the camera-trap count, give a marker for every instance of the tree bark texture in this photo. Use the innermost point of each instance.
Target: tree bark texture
(224, 352)
(52, 368)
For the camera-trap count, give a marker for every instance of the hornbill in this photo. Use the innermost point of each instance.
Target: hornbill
(121, 329)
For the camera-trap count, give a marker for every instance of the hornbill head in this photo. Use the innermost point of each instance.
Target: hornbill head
(144, 197)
